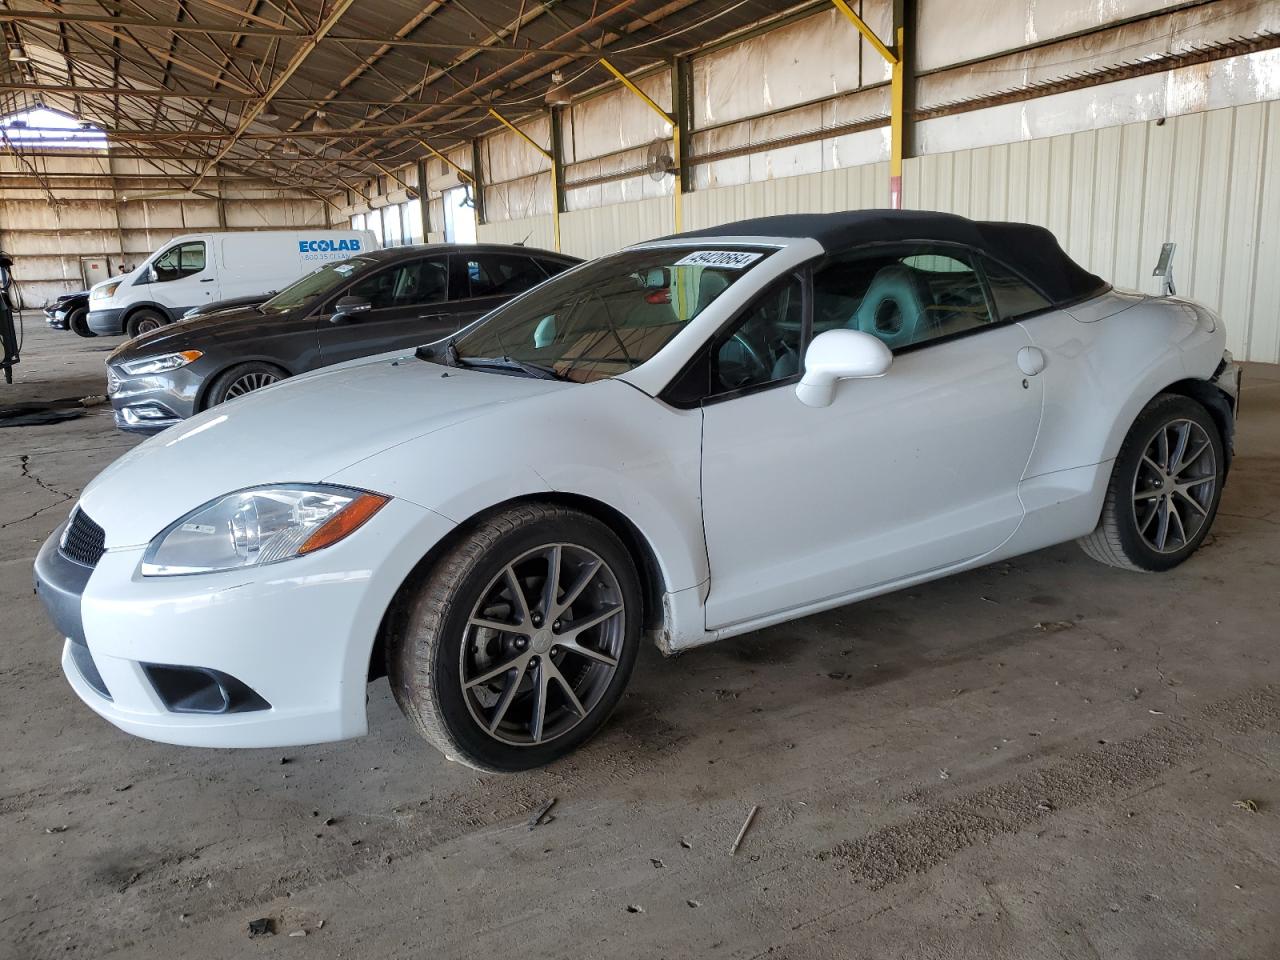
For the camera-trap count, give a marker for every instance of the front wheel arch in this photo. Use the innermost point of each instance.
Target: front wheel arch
(652, 582)
(206, 387)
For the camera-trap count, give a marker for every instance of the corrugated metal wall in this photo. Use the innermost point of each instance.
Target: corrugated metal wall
(1208, 181)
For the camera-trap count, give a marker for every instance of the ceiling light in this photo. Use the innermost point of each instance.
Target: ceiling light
(16, 53)
(320, 124)
(558, 93)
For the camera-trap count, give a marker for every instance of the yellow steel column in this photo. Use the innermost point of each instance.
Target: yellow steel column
(555, 186)
(676, 145)
(897, 119)
(897, 114)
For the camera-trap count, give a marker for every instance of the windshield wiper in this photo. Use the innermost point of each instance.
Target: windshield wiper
(535, 370)
(449, 356)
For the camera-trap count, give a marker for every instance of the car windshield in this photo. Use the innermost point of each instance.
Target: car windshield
(608, 316)
(315, 284)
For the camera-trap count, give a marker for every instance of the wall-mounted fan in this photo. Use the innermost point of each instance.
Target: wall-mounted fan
(658, 160)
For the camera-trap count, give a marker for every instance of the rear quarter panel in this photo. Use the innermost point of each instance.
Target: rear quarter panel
(1100, 374)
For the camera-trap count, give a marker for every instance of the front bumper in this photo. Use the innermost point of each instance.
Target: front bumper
(57, 319)
(297, 635)
(106, 323)
(151, 402)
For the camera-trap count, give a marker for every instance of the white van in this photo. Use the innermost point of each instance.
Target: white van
(201, 268)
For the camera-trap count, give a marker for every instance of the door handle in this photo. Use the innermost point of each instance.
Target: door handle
(1031, 360)
(207, 280)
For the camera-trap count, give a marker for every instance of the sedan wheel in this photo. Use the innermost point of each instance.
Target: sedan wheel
(248, 383)
(1164, 488)
(521, 641)
(241, 379)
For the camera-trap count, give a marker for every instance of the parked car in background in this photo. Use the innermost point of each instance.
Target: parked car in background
(226, 306)
(202, 268)
(378, 301)
(70, 312)
(694, 438)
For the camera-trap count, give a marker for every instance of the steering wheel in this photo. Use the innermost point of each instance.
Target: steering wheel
(739, 363)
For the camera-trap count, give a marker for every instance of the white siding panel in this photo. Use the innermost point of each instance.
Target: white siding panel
(1262, 342)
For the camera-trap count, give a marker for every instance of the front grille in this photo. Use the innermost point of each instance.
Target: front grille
(83, 542)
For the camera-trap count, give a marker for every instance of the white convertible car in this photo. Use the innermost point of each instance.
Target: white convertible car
(693, 438)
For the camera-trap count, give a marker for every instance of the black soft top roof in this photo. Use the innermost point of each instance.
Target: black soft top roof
(1032, 251)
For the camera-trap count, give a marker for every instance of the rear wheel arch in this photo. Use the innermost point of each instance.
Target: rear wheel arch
(1218, 404)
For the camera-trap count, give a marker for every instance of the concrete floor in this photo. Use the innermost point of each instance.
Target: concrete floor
(1039, 759)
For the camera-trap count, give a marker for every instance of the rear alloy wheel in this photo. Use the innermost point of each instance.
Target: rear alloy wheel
(241, 379)
(78, 322)
(144, 321)
(521, 641)
(1164, 488)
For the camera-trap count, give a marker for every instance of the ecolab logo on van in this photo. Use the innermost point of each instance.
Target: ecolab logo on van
(328, 246)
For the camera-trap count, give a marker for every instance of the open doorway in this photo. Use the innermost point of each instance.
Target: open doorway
(459, 216)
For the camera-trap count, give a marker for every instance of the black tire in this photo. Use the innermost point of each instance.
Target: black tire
(1118, 539)
(426, 660)
(241, 379)
(144, 321)
(78, 322)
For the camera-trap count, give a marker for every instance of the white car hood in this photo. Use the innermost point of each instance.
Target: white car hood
(299, 431)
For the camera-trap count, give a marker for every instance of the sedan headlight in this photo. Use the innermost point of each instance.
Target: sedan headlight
(259, 526)
(169, 361)
(104, 293)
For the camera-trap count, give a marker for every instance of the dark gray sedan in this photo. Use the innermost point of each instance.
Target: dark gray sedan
(378, 301)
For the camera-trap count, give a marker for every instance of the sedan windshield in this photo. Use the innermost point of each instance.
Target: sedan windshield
(315, 284)
(606, 317)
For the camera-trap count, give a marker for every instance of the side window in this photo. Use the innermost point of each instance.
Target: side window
(904, 295)
(1013, 296)
(553, 267)
(183, 260)
(404, 285)
(501, 275)
(764, 344)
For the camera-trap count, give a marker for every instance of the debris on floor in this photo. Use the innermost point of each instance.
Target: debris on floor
(746, 825)
(1247, 804)
(1054, 626)
(262, 927)
(542, 812)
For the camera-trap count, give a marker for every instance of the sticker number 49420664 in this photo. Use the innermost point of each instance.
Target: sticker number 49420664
(730, 259)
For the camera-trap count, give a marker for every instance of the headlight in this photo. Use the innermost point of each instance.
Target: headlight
(259, 526)
(169, 361)
(103, 293)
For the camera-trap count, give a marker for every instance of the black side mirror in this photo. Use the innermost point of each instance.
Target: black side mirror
(348, 307)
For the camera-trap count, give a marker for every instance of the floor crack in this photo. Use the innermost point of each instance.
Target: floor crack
(62, 495)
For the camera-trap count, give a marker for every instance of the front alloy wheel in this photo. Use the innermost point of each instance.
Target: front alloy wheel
(542, 644)
(520, 640)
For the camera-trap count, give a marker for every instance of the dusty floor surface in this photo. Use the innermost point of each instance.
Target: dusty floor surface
(1038, 759)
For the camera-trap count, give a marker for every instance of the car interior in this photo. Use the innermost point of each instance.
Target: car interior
(901, 296)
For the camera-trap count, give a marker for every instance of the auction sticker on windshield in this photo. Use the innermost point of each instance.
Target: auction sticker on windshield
(732, 259)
